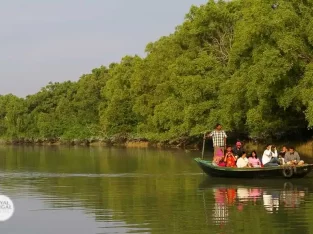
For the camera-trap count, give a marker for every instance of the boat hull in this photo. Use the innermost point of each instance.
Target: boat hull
(265, 172)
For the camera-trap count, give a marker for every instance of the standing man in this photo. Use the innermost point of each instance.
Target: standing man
(219, 138)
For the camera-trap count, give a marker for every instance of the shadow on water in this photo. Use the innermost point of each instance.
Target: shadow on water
(210, 182)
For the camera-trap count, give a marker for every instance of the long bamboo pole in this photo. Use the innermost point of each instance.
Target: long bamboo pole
(203, 145)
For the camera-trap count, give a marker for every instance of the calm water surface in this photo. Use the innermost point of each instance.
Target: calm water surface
(109, 190)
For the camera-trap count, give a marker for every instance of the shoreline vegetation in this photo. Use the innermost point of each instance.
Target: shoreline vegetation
(241, 63)
(133, 143)
(248, 145)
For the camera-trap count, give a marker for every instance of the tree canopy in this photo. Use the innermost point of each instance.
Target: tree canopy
(242, 63)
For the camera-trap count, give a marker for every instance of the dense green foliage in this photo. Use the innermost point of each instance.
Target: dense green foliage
(241, 63)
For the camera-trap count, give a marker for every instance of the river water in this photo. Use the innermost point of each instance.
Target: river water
(109, 190)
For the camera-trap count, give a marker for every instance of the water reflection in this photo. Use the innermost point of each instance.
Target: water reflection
(267, 197)
(133, 191)
(111, 190)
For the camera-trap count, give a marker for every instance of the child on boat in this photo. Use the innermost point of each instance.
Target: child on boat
(230, 159)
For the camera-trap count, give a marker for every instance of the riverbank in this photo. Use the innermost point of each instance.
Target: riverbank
(190, 143)
(186, 143)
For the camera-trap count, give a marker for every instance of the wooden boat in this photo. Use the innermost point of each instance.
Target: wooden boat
(264, 172)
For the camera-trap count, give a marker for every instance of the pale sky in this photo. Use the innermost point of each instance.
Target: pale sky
(58, 40)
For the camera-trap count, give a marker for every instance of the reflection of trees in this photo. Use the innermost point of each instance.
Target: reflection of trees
(146, 189)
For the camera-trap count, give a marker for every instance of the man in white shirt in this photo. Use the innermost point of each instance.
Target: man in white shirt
(269, 157)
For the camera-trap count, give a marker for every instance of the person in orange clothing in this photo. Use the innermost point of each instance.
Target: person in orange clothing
(230, 159)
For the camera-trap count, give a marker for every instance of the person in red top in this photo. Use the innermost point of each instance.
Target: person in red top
(230, 159)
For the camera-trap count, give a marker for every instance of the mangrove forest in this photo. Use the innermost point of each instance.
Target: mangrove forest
(247, 64)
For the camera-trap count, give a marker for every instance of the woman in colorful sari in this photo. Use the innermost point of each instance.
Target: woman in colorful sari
(219, 158)
(230, 159)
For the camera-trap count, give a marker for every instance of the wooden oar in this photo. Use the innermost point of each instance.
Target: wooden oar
(203, 145)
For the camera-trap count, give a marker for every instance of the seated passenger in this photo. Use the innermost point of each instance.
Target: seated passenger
(269, 158)
(254, 161)
(243, 161)
(219, 158)
(230, 158)
(281, 155)
(237, 150)
(283, 152)
(292, 157)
